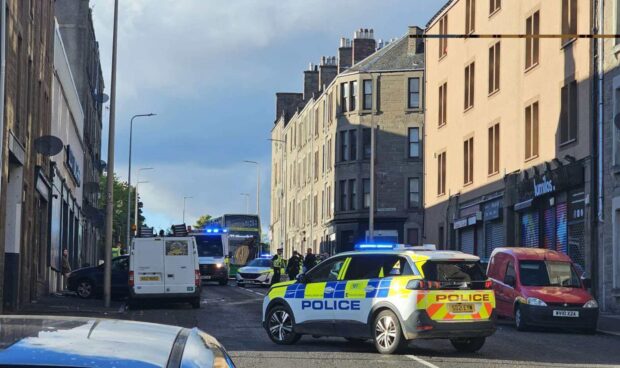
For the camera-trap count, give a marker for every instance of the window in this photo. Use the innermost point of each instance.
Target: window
(364, 267)
(470, 16)
(468, 161)
(352, 195)
(569, 19)
(414, 192)
(443, 104)
(344, 145)
(329, 154)
(531, 131)
(323, 205)
(413, 236)
(353, 99)
(344, 97)
(316, 122)
(493, 149)
(367, 95)
(510, 272)
(327, 271)
(532, 45)
(441, 173)
(443, 41)
(330, 202)
(469, 85)
(366, 189)
(315, 208)
(343, 195)
(316, 165)
(366, 143)
(568, 113)
(324, 162)
(414, 142)
(330, 106)
(494, 64)
(353, 145)
(494, 5)
(414, 93)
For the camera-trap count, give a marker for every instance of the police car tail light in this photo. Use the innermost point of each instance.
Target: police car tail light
(423, 285)
(131, 279)
(488, 284)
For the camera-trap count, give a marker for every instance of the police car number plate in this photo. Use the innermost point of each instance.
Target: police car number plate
(461, 308)
(565, 313)
(149, 278)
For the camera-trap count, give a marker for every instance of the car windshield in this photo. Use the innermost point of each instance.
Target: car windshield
(210, 246)
(453, 271)
(548, 273)
(260, 262)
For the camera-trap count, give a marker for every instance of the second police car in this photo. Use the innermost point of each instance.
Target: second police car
(390, 294)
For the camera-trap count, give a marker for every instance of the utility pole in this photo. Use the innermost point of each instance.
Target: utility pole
(373, 154)
(107, 268)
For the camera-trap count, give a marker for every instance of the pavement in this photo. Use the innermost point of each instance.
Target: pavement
(69, 304)
(233, 316)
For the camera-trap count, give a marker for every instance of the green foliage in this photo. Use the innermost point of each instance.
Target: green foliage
(202, 221)
(119, 215)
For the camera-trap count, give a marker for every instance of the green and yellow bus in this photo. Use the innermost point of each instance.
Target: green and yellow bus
(244, 236)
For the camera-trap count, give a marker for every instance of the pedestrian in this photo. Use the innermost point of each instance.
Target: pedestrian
(66, 266)
(276, 261)
(116, 250)
(293, 266)
(309, 260)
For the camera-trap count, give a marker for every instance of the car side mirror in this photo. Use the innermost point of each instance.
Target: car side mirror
(302, 278)
(510, 281)
(587, 283)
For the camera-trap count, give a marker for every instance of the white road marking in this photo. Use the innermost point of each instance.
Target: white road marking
(421, 361)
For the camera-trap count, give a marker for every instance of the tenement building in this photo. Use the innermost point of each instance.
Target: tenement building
(508, 138)
(320, 185)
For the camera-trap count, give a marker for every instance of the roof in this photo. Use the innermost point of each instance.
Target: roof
(393, 57)
(434, 17)
(436, 255)
(533, 254)
(86, 342)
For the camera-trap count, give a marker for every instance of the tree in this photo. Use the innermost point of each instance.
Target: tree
(202, 221)
(119, 215)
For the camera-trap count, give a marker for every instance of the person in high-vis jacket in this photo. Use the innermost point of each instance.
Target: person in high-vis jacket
(277, 261)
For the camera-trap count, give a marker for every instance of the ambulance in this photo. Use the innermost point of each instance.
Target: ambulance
(389, 294)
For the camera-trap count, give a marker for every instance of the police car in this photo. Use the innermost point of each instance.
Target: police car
(388, 293)
(258, 272)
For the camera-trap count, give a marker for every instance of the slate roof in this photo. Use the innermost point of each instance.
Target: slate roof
(392, 57)
(434, 17)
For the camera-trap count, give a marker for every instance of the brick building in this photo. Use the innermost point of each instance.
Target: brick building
(320, 186)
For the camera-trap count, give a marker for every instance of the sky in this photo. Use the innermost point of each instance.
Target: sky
(210, 69)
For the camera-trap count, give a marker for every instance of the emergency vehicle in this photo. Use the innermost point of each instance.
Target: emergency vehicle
(388, 293)
(258, 272)
(213, 253)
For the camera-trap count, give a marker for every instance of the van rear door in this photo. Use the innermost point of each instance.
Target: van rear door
(179, 265)
(147, 263)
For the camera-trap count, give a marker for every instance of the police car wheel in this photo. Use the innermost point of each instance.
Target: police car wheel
(468, 345)
(280, 324)
(387, 333)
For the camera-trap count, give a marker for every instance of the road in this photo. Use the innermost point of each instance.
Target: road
(233, 315)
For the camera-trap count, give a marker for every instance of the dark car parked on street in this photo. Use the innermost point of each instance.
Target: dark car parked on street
(88, 282)
(42, 341)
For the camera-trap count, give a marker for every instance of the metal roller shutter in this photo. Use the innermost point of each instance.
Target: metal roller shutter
(494, 236)
(529, 229)
(467, 240)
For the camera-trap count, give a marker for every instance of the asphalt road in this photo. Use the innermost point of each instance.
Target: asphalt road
(233, 316)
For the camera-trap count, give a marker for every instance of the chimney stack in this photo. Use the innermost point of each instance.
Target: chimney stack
(364, 44)
(328, 70)
(416, 45)
(311, 81)
(287, 104)
(345, 55)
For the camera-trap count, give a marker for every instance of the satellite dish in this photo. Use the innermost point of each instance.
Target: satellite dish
(101, 98)
(102, 165)
(91, 187)
(48, 145)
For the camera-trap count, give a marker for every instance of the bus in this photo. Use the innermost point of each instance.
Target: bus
(244, 236)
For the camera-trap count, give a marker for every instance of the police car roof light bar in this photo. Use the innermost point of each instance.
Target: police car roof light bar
(374, 246)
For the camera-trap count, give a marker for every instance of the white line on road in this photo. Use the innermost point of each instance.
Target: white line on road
(422, 361)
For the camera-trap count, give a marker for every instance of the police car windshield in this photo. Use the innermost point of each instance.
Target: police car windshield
(547, 273)
(209, 246)
(453, 271)
(260, 262)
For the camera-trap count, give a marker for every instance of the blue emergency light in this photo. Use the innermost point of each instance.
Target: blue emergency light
(374, 246)
(215, 230)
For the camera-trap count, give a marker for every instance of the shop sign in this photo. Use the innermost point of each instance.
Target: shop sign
(576, 206)
(544, 187)
(562, 178)
(465, 222)
(74, 167)
(492, 210)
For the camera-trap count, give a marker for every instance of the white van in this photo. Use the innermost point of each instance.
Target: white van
(213, 256)
(164, 268)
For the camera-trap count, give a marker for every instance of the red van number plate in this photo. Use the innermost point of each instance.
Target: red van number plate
(565, 313)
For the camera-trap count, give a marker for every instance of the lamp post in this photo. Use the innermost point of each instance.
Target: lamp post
(257, 185)
(373, 156)
(129, 175)
(184, 203)
(136, 203)
(247, 202)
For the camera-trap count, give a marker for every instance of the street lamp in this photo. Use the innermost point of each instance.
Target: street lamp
(257, 184)
(247, 202)
(137, 186)
(184, 202)
(129, 174)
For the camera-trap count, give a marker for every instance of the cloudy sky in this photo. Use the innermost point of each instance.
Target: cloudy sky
(210, 69)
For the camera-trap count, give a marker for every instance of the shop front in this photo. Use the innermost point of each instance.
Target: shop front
(551, 211)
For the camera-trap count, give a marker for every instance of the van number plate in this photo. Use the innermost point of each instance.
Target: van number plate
(149, 278)
(461, 308)
(565, 313)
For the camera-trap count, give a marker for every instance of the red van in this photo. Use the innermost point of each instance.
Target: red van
(541, 287)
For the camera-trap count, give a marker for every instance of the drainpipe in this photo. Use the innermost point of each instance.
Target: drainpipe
(2, 76)
(599, 95)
